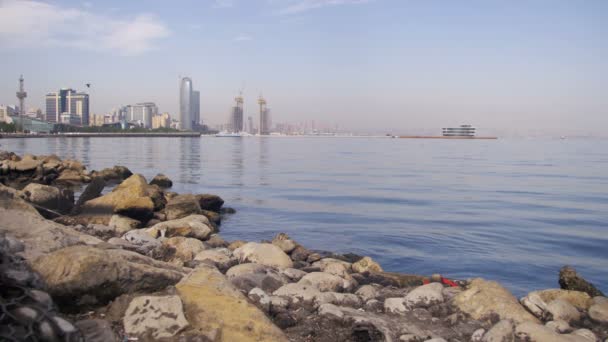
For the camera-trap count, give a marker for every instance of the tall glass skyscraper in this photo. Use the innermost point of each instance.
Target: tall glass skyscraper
(185, 104)
(196, 108)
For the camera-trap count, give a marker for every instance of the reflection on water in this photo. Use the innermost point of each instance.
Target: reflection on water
(513, 211)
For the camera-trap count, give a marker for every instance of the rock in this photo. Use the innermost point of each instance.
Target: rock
(477, 335)
(263, 253)
(156, 317)
(269, 303)
(300, 253)
(162, 181)
(529, 331)
(140, 208)
(562, 310)
(324, 281)
(583, 335)
(580, 300)
(293, 274)
(268, 279)
(535, 304)
(395, 305)
(500, 332)
(116, 173)
(210, 202)
(326, 262)
(123, 224)
(195, 226)
(570, 280)
(50, 197)
(77, 271)
(182, 206)
(242, 269)
(336, 298)
(298, 292)
(313, 257)
(367, 292)
(92, 191)
(216, 241)
(424, 296)
(210, 303)
(96, 330)
(390, 279)
(70, 177)
(285, 243)
(330, 310)
(25, 164)
(599, 310)
(219, 257)
(212, 216)
(485, 298)
(559, 326)
(236, 244)
(185, 248)
(366, 265)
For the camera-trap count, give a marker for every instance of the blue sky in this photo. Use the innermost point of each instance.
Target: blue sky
(404, 66)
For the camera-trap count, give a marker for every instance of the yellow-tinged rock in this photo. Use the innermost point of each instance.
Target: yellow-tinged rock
(581, 300)
(214, 307)
(366, 264)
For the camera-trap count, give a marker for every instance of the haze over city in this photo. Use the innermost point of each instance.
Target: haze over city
(529, 68)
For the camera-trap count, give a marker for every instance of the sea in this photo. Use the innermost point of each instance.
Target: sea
(510, 210)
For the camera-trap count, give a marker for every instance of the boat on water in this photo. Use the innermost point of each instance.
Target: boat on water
(233, 134)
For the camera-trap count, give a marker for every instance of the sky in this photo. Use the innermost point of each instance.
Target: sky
(512, 68)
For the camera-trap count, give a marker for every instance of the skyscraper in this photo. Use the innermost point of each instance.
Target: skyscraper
(264, 128)
(141, 114)
(196, 108)
(185, 104)
(67, 101)
(236, 116)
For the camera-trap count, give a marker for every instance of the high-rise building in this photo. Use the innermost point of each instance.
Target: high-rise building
(67, 101)
(161, 121)
(5, 112)
(264, 128)
(196, 108)
(236, 115)
(141, 114)
(185, 104)
(250, 129)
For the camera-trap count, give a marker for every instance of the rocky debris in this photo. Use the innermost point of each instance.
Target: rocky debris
(210, 202)
(424, 296)
(155, 317)
(162, 181)
(181, 206)
(483, 299)
(211, 301)
(599, 310)
(49, 197)
(101, 274)
(122, 224)
(366, 265)
(263, 253)
(570, 280)
(185, 249)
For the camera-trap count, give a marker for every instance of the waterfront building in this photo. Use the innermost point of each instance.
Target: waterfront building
(141, 114)
(68, 101)
(97, 120)
(264, 127)
(6, 112)
(161, 121)
(32, 125)
(196, 109)
(236, 115)
(462, 131)
(70, 119)
(185, 104)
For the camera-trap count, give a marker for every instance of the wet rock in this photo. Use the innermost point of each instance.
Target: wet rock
(263, 253)
(195, 226)
(559, 326)
(394, 305)
(425, 296)
(50, 197)
(210, 202)
(210, 301)
(324, 282)
(367, 292)
(162, 181)
(366, 265)
(599, 310)
(185, 248)
(562, 310)
(284, 242)
(330, 310)
(221, 258)
(157, 317)
(77, 271)
(570, 280)
(96, 330)
(500, 332)
(123, 224)
(483, 299)
(181, 206)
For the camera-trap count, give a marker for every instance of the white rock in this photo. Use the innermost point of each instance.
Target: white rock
(501, 331)
(258, 295)
(330, 310)
(323, 281)
(559, 326)
(298, 292)
(424, 296)
(162, 317)
(562, 310)
(263, 253)
(477, 335)
(337, 269)
(140, 237)
(535, 304)
(394, 305)
(195, 226)
(586, 334)
(220, 257)
(323, 263)
(367, 292)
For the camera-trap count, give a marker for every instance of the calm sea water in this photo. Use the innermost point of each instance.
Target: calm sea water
(508, 210)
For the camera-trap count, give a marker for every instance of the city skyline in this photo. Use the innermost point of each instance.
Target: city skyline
(377, 65)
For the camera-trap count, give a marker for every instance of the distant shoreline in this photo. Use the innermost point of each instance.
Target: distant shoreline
(101, 135)
(442, 137)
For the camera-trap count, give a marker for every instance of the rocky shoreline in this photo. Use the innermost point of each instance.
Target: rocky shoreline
(143, 263)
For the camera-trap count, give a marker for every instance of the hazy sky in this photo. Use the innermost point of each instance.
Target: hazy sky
(401, 66)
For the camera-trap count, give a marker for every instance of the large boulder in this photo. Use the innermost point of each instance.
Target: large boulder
(210, 202)
(529, 331)
(195, 226)
(425, 296)
(182, 206)
(133, 198)
(116, 173)
(284, 242)
(324, 281)
(483, 299)
(185, 248)
(104, 274)
(263, 253)
(155, 317)
(214, 307)
(570, 280)
(50, 197)
(219, 257)
(27, 163)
